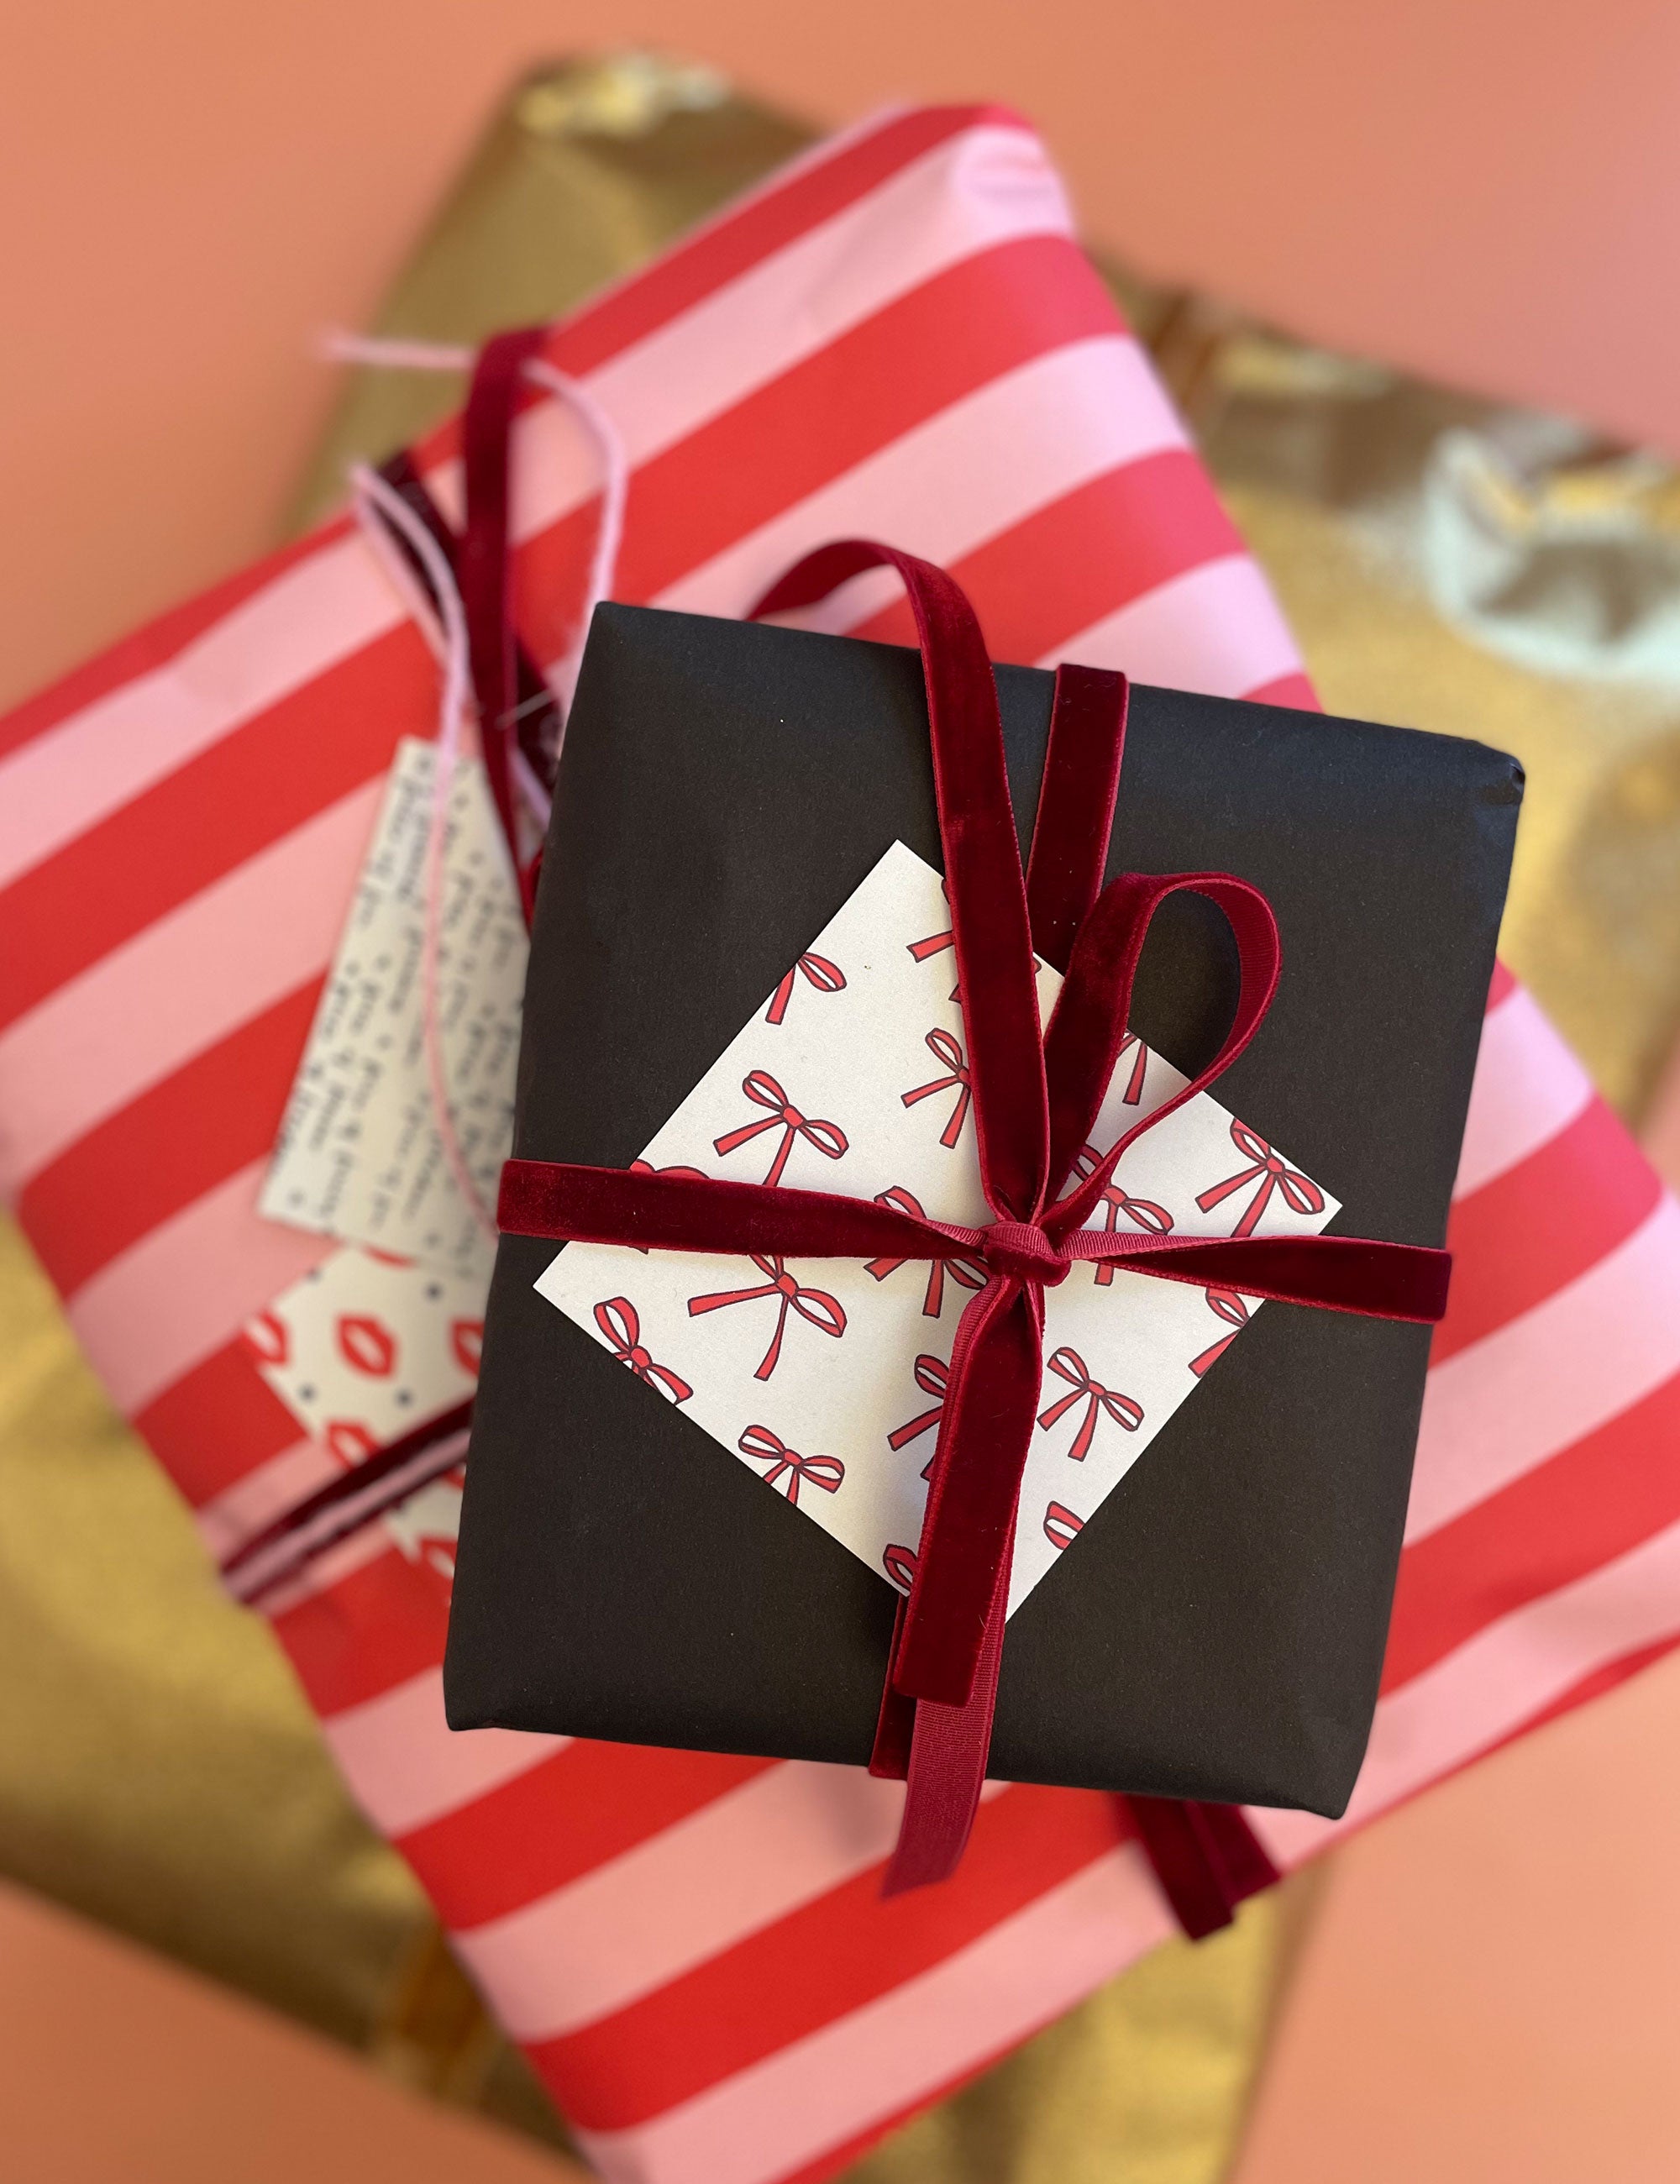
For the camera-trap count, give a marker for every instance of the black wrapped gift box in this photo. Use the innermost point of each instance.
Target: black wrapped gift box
(1217, 1630)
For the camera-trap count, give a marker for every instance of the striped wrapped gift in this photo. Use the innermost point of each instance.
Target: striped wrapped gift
(897, 336)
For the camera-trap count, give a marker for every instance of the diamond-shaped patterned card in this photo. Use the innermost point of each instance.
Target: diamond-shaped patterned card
(826, 1375)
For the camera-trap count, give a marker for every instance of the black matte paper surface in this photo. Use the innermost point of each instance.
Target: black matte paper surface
(1217, 1630)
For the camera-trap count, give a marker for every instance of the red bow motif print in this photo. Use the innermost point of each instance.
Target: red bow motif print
(1141, 1213)
(933, 1375)
(817, 970)
(899, 1564)
(1270, 1173)
(1140, 1067)
(1068, 1365)
(1062, 1525)
(763, 1091)
(1234, 1310)
(971, 1274)
(619, 1322)
(936, 943)
(816, 1306)
(764, 1447)
(944, 1048)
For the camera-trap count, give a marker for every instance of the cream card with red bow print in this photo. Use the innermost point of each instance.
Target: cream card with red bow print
(827, 1376)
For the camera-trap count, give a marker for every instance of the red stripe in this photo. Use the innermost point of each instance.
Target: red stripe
(367, 1632)
(590, 1803)
(1503, 983)
(889, 373)
(1542, 1224)
(181, 1137)
(153, 644)
(1597, 1499)
(245, 791)
(820, 1962)
(216, 1424)
(1294, 691)
(1108, 541)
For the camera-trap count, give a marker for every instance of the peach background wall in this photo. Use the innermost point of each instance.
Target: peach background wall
(1485, 189)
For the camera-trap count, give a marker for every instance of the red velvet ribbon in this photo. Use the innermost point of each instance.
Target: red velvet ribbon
(968, 1273)
(1141, 1213)
(516, 708)
(1034, 1101)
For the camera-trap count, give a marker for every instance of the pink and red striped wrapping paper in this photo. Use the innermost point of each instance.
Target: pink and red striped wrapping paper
(898, 337)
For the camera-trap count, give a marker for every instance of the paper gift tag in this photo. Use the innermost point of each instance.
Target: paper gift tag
(359, 1154)
(825, 1376)
(367, 1347)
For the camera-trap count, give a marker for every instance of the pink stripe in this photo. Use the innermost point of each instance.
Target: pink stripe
(974, 469)
(240, 1511)
(187, 1288)
(640, 1921)
(1505, 1676)
(406, 1766)
(986, 186)
(772, 2119)
(376, 1496)
(1215, 629)
(329, 1568)
(177, 987)
(1536, 1385)
(318, 613)
(1528, 1086)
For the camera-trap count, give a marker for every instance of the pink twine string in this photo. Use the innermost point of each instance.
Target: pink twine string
(379, 509)
(377, 504)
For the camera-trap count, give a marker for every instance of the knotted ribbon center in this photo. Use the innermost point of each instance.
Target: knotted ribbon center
(1021, 1251)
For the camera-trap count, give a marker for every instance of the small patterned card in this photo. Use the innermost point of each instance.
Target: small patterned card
(366, 1347)
(827, 1376)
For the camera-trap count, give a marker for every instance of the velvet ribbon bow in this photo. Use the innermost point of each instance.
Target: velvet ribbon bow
(1036, 1098)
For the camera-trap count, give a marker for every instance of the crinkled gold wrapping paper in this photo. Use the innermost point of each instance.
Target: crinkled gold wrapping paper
(1443, 562)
